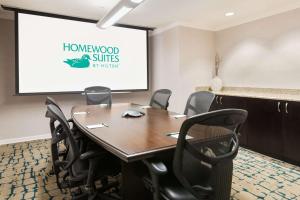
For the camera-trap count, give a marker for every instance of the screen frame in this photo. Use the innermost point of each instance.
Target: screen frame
(17, 11)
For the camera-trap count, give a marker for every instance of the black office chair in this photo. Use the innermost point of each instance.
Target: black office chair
(77, 133)
(98, 95)
(59, 139)
(160, 99)
(84, 169)
(198, 102)
(59, 147)
(202, 165)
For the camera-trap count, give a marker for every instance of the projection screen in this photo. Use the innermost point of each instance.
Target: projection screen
(59, 55)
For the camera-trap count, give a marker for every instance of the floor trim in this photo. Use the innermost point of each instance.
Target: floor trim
(25, 139)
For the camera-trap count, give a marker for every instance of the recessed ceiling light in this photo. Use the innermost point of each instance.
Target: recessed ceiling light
(228, 14)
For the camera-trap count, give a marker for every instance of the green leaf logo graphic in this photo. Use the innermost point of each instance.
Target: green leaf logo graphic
(82, 62)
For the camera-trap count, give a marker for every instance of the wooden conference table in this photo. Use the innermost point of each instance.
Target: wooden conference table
(130, 139)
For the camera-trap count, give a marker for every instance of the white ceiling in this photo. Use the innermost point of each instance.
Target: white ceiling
(91, 9)
(204, 14)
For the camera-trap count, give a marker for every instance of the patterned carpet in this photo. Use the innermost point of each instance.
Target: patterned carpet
(256, 176)
(24, 171)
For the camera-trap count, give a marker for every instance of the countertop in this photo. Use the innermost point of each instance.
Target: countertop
(263, 93)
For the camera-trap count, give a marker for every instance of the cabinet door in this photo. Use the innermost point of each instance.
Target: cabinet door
(291, 131)
(220, 102)
(232, 102)
(215, 104)
(223, 102)
(264, 126)
(237, 103)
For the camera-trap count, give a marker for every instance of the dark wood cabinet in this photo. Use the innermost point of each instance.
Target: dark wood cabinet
(272, 127)
(291, 131)
(263, 127)
(214, 105)
(223, 102)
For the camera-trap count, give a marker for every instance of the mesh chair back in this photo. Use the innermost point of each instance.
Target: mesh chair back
(51, 101)
(58, 136)
(160, 99)
(98, 95)
(57, 133)
(73, 151)
(206, 146)
(198, 102)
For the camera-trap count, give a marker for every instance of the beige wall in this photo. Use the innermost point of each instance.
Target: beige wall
(23, 116)
(182, 59)
(264, 53)
(196, 53)
(165, 63)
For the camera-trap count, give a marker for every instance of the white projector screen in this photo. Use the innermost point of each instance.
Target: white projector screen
(59, 55)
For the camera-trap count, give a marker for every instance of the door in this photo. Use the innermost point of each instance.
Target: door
(264, 126)
(291, 132)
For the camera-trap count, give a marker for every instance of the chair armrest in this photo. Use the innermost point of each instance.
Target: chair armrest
(200, 188)
(91, 155)
(156, 169)
(155, 166)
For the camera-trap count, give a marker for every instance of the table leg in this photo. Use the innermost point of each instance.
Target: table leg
(132, 184)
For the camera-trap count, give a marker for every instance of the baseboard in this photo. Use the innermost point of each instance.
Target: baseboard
(25, 139)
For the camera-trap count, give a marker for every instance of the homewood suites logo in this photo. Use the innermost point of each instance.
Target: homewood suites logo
(92, 55)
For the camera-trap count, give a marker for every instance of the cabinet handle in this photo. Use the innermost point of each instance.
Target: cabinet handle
(221, 100)
(286, 107)
(278, 106)
(217, 99)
